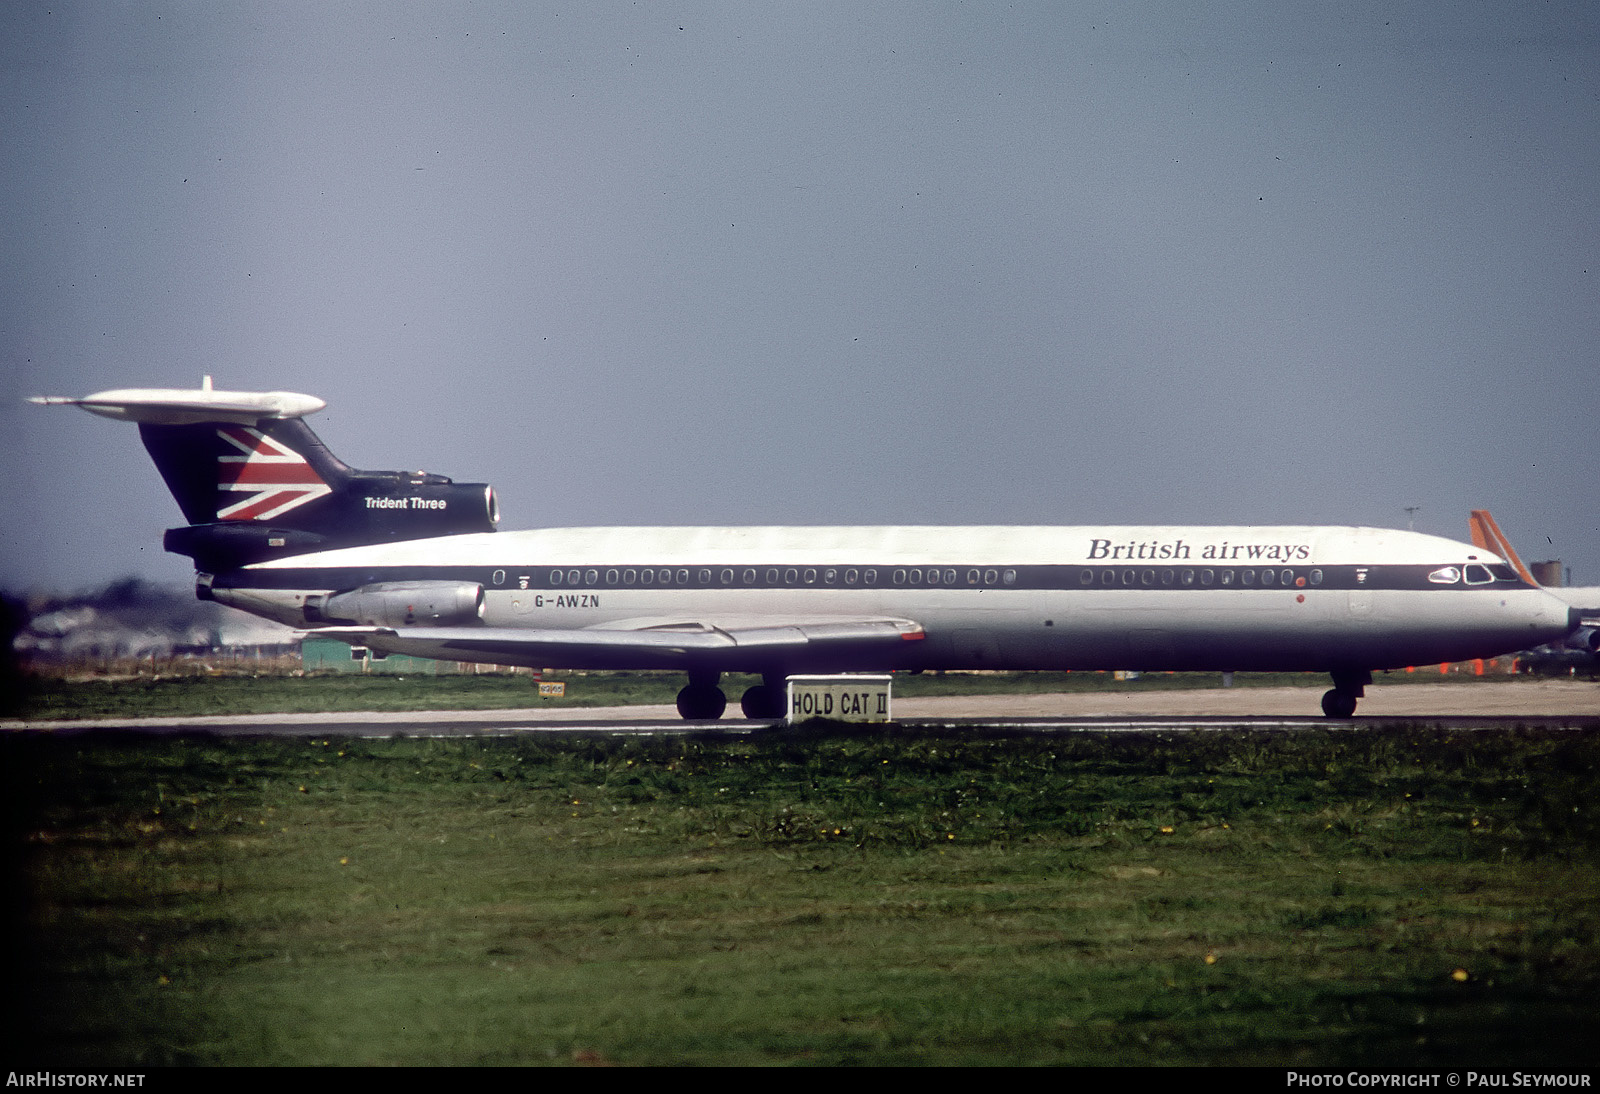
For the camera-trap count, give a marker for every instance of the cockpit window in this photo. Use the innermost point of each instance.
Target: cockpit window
(1479, 575)
(1445, 575)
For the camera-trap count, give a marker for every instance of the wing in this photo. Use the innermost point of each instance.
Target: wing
(754, 645)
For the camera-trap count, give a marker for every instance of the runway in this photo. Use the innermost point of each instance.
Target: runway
(1548, 704)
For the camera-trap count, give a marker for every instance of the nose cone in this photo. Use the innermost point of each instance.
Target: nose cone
(1534, 617)
(1551, 619)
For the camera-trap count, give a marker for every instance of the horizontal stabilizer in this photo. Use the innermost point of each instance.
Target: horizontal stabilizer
(181, 406)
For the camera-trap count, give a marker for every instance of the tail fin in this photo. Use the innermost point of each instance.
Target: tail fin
(1486, 534)
(272, 471)
(254, 482)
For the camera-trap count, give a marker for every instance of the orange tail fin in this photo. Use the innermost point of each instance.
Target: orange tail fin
(1486, 534)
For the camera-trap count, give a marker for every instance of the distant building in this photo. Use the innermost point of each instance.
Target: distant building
(331, 655)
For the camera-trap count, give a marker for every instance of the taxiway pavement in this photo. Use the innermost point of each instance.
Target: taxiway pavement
(1478, 705)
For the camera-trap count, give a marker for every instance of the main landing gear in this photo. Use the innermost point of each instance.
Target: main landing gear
(703, 700)
(701, 703)
(1348, 686)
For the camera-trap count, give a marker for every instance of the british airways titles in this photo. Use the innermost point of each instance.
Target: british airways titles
(1156, 550)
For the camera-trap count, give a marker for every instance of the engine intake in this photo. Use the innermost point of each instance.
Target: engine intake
(389, 505)
(400, 604)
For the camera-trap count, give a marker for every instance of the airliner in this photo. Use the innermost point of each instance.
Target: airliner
(412, 563)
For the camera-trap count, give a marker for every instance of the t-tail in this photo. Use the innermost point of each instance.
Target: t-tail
(255, 483)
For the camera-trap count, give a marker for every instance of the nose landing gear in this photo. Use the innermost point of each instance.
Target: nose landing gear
(1348, 686)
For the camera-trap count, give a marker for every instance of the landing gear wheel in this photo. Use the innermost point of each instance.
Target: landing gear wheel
(762, 701)
(1338, 704)
(1348, 686)
(702, 702)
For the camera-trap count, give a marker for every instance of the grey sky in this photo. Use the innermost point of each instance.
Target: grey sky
(817, 263)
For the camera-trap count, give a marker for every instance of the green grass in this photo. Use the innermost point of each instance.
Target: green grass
(143, 697)
(806, 897)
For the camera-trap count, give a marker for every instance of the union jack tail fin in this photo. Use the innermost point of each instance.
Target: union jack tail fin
(255, 483)
(274, 471)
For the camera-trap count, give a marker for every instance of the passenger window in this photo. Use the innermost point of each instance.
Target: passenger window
(1186, 578)
(1085, 576)
(1009, 577)
(555, 577)
(1316, 577)
(1207, 577)
(591, 576)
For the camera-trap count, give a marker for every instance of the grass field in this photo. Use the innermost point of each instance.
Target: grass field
(1394, 897)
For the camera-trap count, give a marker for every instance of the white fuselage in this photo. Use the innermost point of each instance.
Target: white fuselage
(993, 597)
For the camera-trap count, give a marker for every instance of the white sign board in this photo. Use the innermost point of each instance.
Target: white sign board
(838, 698)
